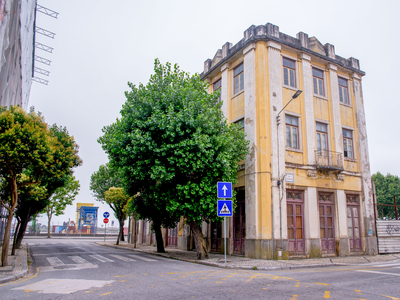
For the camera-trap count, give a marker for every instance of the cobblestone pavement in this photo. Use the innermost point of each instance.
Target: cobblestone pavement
(233, 261)
(17, 265)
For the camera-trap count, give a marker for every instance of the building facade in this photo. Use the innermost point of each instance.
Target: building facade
(305, 188)
(17, 33)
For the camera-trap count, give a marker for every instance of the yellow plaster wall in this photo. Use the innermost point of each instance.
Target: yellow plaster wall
(237, 106)
(321, 109)
(294, 157)
(346, 116)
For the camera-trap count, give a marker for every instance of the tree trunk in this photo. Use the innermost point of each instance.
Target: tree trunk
(201, 248)
(134, 232)
(6, 239)
(15, 236)
(159, 239)
(21, 231)
(121, 232)
(48, 226)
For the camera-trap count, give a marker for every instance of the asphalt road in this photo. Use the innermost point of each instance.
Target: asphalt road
(79, 269)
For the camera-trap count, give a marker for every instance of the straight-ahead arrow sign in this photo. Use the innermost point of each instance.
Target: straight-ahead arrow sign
(224, 190)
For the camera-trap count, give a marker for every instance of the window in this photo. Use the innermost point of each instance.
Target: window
(292, 132)
(322, 137)
(240, 123)
(343, 92)
(238, 78)
(318, 81)
(289, 71)
(348, 143)
(217, 87)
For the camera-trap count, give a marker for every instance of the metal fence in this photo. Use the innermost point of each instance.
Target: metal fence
(3, 221)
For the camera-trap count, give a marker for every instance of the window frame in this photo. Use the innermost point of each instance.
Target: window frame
(341, 94)
(240, 122)
(319, 84)
(218, 87)
(351, 139)
(298, 127)
(322, 132)
(240, 76)
(288, 68)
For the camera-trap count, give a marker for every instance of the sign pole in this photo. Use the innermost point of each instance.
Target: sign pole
(105, 231)
(225, 237)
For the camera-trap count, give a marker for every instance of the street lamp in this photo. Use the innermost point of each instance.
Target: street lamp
(297, 94)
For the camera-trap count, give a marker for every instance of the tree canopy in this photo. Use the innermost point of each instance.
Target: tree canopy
(29, 152)
(173, 145)
(103, 179)
(386, 187)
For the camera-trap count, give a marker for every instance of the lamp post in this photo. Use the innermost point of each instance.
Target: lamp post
(278, 121)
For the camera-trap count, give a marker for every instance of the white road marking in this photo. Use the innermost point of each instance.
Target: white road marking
(64, 286)
(387, 265)
(78, 259)
(122, 257)
(378, 272)
(101, 258)
(142, 258)
(54, 261)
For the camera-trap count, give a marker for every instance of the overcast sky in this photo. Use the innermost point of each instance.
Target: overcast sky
(101, 45)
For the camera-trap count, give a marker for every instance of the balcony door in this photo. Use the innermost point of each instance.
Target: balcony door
(295, 222)
(327, 223)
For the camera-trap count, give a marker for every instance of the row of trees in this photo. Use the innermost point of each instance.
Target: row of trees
(170, 147)
(36, 164)
(386, 188)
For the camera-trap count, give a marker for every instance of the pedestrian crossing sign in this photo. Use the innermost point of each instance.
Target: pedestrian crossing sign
(225, 208)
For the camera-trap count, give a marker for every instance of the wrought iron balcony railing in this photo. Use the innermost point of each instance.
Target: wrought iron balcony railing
(328, 160)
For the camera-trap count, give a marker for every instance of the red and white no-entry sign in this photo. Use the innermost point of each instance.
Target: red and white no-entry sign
(105, 220)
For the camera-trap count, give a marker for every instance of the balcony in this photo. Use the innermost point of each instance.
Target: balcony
(329, 160)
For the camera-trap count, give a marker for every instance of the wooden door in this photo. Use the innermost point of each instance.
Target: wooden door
(216, 236)
(326, 223)
(295, 222)
(172, 239)
(353, 222)
(239, 228)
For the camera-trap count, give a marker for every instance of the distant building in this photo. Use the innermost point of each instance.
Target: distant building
(17, 27)
(305, 188)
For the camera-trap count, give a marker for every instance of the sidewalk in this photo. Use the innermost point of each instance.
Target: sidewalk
(240, 262)
(17, 265)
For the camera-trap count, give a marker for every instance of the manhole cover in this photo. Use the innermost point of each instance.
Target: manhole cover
(65, 267)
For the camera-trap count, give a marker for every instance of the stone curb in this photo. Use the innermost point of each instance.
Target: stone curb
(223, 266)
(17, 275)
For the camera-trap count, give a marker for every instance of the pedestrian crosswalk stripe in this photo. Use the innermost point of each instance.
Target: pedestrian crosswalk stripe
(142, 258)
(386, 265)
(101, 258)
(54, 261)
(122, 257)
(78, 260)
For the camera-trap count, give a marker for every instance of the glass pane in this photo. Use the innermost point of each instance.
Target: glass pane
(292, 78)
(288, 137)
(236, 85)
(341, 94)
(321, 210)
(285, 76)
(357, 233)
(299, 234)
(321, 90)
(328, 210)
(315, 85)
(350, 148)
(322, 233)
(329, 221)
(355, 212)
(348, 212)
(290, 221)
(290, 209)
(322, 222)
(290, 233)
(298, 210)
(350, 232)
(324, 142)
(299, 222)
(295, 138)
(356, 223)
(242, 81)
(346, 100)
(319, 141)
(330, 233)
(349, 222)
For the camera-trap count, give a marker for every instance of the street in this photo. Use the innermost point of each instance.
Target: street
(79, 269)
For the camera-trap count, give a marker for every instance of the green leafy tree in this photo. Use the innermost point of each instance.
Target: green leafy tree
(386, 187)
(28, 147)
(61, 197)
(173, 145)
(103, 179)
(117, 199)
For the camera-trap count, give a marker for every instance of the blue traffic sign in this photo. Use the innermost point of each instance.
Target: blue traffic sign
(106, 214)
(224, 190)
(225, 208)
